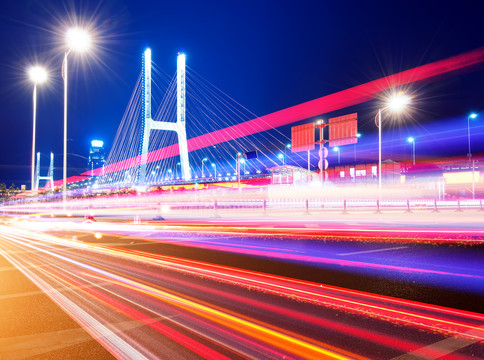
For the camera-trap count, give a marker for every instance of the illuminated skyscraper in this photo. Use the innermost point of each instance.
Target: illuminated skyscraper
(97, 157)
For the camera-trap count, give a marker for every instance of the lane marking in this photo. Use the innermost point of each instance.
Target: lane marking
(372, 251)
(443, 347)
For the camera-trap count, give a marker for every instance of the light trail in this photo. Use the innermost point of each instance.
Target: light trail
(325, 104)
(421, 315)
(444, 271)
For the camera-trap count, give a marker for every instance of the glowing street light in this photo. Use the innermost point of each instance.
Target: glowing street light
(38, 75)
(471, 116)
(397, 103)
(77, 40)
(281, 157)
(336, 149)
(215, 170)
(412, 141)
(203, 161)
(358, 135)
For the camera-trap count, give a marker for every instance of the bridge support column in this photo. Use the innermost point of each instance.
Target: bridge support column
(149, 124)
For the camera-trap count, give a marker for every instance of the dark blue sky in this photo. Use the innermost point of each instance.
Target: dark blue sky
(267, 55)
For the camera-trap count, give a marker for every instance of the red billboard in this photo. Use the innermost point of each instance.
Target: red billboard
(343, 130)
(302, 137)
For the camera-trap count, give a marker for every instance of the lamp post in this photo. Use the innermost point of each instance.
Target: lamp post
(358, 135)
(171, 174)
(288, 146)
(203, 161)
(281, 157)
(38, 75)
(215, 170)
(412, 141)
(77, 40)
(336, 149)
(471, 116)
(176, 170)
(396, 103)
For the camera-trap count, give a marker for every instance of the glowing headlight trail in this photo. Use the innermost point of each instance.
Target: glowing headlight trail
(247, 328)
(348, 301)
(436, 271)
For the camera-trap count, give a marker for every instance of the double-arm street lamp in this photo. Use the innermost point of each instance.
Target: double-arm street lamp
(77, 40)
(38, 75)
(397, 103)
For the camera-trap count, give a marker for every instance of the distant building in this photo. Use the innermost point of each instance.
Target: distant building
(97, 157)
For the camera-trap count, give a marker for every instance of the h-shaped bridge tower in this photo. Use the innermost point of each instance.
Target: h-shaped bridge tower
(150, 124)
(50, 174)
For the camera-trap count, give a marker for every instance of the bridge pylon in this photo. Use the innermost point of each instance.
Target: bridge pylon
(149, 124)
(50, 173)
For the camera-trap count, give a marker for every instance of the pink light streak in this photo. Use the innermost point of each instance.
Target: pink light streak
(339, 100)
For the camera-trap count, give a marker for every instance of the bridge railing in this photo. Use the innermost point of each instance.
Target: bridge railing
(233, 205)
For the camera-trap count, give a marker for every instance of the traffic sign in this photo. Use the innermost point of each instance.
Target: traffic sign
(325, 164)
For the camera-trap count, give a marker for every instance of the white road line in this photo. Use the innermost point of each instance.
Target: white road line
(442, 348)
(371, 251)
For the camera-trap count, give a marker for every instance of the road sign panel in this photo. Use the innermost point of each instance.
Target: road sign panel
(343, 130)
(302, 137)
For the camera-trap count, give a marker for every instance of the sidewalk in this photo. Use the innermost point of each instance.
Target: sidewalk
(32, 326)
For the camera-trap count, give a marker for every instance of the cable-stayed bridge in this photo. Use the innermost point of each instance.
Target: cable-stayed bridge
(204, 128)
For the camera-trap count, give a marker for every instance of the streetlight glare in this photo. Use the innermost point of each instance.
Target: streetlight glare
(398, 102)
(78, 39)
(473, 115)
(336, 148)
(410, 139)
(37, 74)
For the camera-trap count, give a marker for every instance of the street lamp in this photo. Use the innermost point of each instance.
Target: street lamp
(77, 40)
(176, 170)
(281, 157)
(397, 103)
(412, 141)
(38, 75)
(288, 146)
(358, 135)
(215, 170)
(471, 116)
(203, 161)
(336, 149)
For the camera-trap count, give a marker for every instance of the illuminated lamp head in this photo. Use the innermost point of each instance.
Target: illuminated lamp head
(37, 74)
(78, 39)
(398, 102)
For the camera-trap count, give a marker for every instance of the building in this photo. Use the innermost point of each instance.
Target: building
(97, 157)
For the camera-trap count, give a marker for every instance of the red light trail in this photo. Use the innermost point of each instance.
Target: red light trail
(214, 310)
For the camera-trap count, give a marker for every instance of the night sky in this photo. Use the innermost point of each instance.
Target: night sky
(268, 55)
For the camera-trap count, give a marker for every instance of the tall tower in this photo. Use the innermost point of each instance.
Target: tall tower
(149, 124)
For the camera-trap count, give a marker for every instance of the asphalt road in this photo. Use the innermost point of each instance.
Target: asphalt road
(171, 290)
